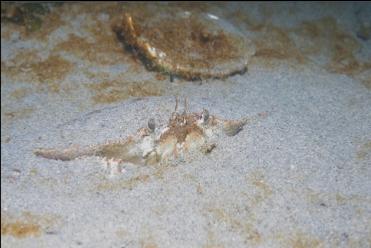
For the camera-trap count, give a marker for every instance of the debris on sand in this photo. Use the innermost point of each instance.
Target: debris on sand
(191, 45)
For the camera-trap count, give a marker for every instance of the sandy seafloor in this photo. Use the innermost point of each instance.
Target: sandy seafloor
(301, 177)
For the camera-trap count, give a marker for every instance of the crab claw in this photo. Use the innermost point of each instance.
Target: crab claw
(231, 128)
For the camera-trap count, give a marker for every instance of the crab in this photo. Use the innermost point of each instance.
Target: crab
(184, 135)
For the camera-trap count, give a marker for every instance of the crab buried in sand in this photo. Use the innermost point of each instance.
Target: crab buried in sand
(184, 136)
(191, 45)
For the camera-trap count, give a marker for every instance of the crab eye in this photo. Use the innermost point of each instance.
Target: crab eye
(205, 115)
(151, 124)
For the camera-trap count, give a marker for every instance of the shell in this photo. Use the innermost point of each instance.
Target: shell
(191, 45)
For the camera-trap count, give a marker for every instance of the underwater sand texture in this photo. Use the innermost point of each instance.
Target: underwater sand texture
(299, 176)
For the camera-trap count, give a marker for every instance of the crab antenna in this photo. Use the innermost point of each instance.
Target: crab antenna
(185, 105)
(176, 103)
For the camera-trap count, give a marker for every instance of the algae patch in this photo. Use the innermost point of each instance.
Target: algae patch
(26, 225)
